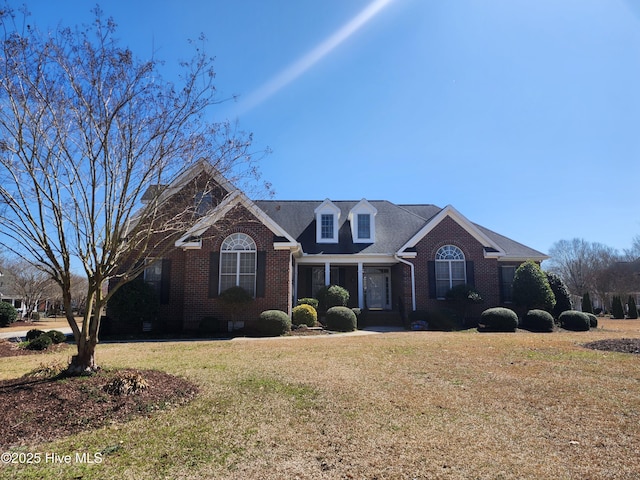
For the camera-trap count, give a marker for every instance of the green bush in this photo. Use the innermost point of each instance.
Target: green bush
(35, 316)
(341, 319)
(561, 293)
(272, 323)
(538, 321)
(210, 325)
(593, 320)
(236, 296)
(8, 314)
(498, 319)
(332, 296)
(586, 305)
(41, 343)
(304, 314)
(531, 288)
(308, 301)
(133, 304)
(33, 334)
(574, 320)
(633, 309)
(56, 336)
(617, 310)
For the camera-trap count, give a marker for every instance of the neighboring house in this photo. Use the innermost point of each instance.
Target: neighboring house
(9, 294)
(389, 257)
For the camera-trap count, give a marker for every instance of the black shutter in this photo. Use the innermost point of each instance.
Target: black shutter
(214, 267)
(261, 274)
(308, 271)
(471, 278)
(431, 276)
(501, 283)
(165, 281)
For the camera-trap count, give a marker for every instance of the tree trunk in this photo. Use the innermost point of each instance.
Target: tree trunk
(84, 362)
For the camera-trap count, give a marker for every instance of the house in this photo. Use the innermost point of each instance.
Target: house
(390, 257)
(9, 293)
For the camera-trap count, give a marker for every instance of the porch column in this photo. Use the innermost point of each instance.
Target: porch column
(360, 285)
(327, 274)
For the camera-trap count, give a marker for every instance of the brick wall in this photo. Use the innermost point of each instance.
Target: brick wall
(449, 232)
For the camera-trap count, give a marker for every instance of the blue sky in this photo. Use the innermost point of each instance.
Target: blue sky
(523, 115)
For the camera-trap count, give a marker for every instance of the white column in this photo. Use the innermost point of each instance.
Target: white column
(327, 274)
(360, 285)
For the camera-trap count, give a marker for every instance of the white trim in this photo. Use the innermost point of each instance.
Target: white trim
(461, 220)
(235, 198)
(363, 207)
(327, 208)
(321, 259)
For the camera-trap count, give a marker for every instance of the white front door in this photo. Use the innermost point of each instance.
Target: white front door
(377, 285)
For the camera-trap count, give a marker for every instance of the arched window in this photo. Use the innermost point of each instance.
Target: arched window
(238, 263)
(450, 269)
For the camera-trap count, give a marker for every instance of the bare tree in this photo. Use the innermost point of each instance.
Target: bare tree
(85, 128)
(571, 260)
(31, 284)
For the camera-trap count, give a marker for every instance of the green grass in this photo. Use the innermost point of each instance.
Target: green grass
(404, 405)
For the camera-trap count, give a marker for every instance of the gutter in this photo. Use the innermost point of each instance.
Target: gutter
(413, 279)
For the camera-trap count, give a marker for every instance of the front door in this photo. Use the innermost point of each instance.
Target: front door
(377, 288)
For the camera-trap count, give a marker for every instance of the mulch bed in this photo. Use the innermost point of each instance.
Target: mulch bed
(12, 349)
(622, 345)
(38, 410)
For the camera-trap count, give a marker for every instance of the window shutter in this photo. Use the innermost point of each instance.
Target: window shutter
(431, 275)
(471, 278)
(214, 271)
(501, 282)
(261, 273)
(165, 281)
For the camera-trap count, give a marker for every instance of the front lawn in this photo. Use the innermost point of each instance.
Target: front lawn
(419, 405)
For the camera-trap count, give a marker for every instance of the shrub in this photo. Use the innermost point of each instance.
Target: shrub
(617, 310)
(33, 334)
(236, 296)
(40, 343)
(538, 321)
(304, 314)
(574, 320)
(332, 296)
(126, 383)
(209, 325)
(593, 320)
(56, 336)
(633, 309)
(35, 316)
(8, 314)
(341, 319)
(498, 319)
(272, 323)
(531, 288)
(586, 305)
(561, 293)
(308, 301)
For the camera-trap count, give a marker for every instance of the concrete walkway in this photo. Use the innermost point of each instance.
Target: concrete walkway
(20, 335)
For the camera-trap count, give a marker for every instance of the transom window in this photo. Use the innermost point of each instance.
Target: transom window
(450, 269)
(238, 263)
(326, 225)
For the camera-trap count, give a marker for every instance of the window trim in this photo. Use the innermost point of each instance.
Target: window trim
(231, 241)
(449, 254)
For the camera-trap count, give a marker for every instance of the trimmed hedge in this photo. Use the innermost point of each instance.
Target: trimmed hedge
(309, 301)
(593, 320)
(304, 314)
(272, 323)
(332, 296)
(209, 325)
(574, 320)
(341, 319)
(538, 321)
(498, 319)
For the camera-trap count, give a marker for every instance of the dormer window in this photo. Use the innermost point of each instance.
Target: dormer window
(362, 219)
(327, 217)
(364, 226)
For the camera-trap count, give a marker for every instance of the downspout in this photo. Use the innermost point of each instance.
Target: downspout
(413, 279)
